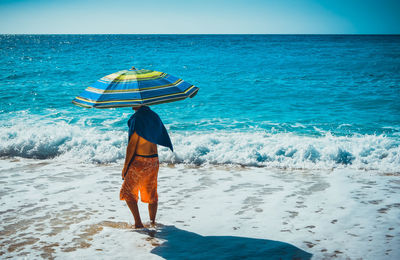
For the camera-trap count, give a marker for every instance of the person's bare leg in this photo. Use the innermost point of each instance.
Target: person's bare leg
(153, 212)
(135, 212)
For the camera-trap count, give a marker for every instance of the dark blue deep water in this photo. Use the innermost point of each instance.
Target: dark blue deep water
(291, 101)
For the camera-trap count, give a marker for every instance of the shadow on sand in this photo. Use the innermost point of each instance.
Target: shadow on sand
(181, 244)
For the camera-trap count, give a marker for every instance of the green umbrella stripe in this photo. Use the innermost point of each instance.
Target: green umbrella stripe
(81, 104)
(101, 91)
(119, 80)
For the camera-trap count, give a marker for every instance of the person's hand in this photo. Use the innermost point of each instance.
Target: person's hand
(123, 171)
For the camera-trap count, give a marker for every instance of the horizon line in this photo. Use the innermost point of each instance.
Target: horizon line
(353, 34)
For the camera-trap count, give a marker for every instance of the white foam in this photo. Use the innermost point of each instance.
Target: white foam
(83, 143)
(63, 141)
(67, 211)
(287, 150)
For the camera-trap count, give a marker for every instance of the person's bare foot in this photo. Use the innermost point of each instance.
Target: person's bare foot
(140, 225)
(152, 223)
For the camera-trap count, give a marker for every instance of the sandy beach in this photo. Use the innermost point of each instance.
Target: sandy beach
(55, 210)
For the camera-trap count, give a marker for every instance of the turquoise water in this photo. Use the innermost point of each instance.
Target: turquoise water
(291, 101)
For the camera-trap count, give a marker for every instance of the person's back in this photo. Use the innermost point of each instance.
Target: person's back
(145, 147)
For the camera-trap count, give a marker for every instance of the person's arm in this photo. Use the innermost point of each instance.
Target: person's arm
(130, 152)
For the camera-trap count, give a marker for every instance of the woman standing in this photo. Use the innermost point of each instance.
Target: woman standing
(146, 130)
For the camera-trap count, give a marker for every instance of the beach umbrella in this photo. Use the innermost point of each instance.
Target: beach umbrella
(133, 88)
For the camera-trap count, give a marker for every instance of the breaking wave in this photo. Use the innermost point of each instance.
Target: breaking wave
(63, 141)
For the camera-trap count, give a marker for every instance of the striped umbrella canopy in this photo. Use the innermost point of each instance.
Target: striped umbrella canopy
(133, 88)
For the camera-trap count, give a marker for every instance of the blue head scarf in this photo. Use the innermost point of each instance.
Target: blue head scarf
(148, 125)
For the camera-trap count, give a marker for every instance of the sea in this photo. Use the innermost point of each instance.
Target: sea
(274, 101)
(290, 149)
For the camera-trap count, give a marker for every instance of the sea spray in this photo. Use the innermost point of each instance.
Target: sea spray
(63, 141)
(262, 149)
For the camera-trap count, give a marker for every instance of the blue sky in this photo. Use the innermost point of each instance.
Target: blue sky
(206, 16)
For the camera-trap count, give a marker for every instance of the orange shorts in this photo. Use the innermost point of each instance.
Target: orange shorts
(141, 176)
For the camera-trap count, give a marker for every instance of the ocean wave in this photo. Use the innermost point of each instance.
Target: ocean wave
(63, 141)
(288, 150)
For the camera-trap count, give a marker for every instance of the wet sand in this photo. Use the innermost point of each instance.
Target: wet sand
(51, 209)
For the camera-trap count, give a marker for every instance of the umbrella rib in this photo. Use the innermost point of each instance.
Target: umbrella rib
(117, 80)
(114, 81)
(140, 94)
